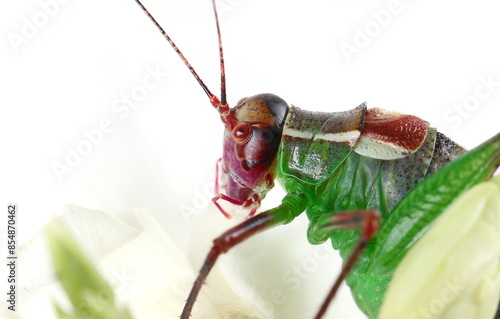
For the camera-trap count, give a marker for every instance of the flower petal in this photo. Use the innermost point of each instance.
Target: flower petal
(454, 270)
(148, 273)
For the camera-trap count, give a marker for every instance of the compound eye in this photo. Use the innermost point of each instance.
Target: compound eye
(242, 132)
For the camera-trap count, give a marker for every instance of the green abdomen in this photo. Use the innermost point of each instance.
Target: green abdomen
(361, 182)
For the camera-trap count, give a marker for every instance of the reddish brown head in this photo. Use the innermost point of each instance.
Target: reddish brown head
(251, 139)
(251, 147)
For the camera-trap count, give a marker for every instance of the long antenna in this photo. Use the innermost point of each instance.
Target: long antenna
(221, 58)
(221, 106)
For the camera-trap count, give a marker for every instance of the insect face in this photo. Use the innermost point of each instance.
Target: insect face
(251, 147)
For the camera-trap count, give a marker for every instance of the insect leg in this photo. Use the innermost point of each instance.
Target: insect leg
(253, 202)
(217, 186)
(320, 229)
(292, 205)
(226, 198)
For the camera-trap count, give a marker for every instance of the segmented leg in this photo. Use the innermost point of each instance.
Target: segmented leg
(253, 202)
(320, 229)
(291, 207)
(217, 186)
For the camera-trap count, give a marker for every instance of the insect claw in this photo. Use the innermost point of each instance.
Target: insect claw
(252, 203)
(252, 212)
(226, 198)
(255, 202)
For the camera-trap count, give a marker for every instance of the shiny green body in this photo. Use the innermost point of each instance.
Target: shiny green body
(409, 193)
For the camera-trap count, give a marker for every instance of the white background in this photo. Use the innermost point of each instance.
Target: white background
(63, 80)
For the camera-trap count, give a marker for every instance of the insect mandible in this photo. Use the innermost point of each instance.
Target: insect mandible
(347, 170)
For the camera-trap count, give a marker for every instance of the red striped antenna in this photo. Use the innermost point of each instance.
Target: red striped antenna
(221, 105)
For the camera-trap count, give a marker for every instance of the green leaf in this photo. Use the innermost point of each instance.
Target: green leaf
(416, 212)
(90, 295)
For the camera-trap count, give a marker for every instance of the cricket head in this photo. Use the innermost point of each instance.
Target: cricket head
(250, 148)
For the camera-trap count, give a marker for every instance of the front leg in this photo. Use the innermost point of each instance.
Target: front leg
(292, 206)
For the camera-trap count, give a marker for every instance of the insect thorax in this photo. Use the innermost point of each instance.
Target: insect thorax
(317, 157)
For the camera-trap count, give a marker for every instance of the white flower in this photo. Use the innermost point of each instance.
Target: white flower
(264, 277)
(454, 270)
(151, 277)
